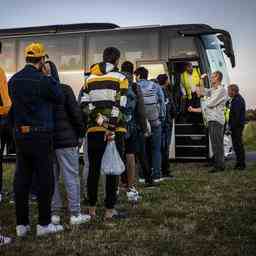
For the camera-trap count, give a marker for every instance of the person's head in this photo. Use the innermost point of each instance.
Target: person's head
(127, 67)
(216, 78)
(35, 54)
(111, 55)
(189, 67)
(163, 80)
(233, 90)
(141, 73)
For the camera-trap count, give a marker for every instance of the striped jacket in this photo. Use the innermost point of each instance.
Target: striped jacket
(104, 94)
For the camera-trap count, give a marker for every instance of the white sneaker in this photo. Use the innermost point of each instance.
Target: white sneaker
(80, 219)
(132, 194)
(49, 229)
(55, 219)
(141, 180)
(4, 240)
(158, 180)
(22, 230)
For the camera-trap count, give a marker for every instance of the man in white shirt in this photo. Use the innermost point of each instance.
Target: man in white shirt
(214, 110)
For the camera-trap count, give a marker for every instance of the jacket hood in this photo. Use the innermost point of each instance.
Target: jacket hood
(54, 71)
(102, 68)
(146, 83)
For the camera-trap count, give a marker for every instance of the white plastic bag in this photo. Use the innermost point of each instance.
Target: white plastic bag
(111, 163)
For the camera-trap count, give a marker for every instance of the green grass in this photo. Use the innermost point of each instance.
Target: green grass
(197, 214)
(250, 135)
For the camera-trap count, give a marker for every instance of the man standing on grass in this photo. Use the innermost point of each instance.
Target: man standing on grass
(214, 109)
(5, 104)
(33, 93)
(236, 124)
(104, 100)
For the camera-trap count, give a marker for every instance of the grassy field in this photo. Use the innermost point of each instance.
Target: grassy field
(250, 136)
(196, 214)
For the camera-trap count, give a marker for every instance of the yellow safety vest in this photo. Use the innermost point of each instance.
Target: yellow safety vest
(196, 77)
(226, 114)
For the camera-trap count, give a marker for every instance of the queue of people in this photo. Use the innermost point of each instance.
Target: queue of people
(50, 126)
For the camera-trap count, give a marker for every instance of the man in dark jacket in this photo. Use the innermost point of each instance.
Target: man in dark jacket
(33, 93)
(236, 124)
(167, 124)
(69, 129)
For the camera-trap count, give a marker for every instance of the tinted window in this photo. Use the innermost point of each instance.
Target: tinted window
(8, 56)
(215, 56)
(133, 45)
(182, 47)
(66, 52)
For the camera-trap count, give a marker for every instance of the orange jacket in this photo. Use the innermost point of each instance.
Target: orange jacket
(4, 94)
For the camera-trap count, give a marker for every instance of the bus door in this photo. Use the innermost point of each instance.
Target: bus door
(190, 138)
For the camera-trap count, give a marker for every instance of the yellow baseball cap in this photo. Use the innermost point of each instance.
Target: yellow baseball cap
(35, 50)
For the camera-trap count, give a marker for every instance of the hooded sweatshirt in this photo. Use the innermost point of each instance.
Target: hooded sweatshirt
(5, 101)
(105, 95)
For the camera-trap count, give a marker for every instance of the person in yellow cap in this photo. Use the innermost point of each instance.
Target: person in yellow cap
(33, 94)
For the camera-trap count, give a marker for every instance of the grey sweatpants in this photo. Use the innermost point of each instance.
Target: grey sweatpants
(67, 164)
(216, 132)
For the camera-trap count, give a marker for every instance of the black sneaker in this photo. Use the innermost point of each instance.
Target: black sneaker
(150, 184)
(215, 169)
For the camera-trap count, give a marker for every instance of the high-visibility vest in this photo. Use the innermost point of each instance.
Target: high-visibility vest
(185, 81)
(226, 114)
(5, 101)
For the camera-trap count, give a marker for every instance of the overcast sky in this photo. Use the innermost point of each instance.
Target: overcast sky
(236, 16)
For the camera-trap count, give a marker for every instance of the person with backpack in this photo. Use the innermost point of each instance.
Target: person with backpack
(68, 133)
(155, 111)
(135, 118)
(167, 124)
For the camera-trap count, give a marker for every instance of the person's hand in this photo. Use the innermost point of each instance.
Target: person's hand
(109, 136)
(146, 134)
(46, 69)
(80, 142)
(190, 109)
(203, 76)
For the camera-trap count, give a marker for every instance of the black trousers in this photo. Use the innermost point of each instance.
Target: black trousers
(34, 155)
(237, 140)
(5, 137)
(96, 149)
(144, 157)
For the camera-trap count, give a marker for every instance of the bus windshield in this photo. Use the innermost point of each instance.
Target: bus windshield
(215, 56)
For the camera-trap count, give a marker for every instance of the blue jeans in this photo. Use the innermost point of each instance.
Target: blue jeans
(153, 148)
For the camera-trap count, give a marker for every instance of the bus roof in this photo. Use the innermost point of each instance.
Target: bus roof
(53, 29)
(56, 29)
